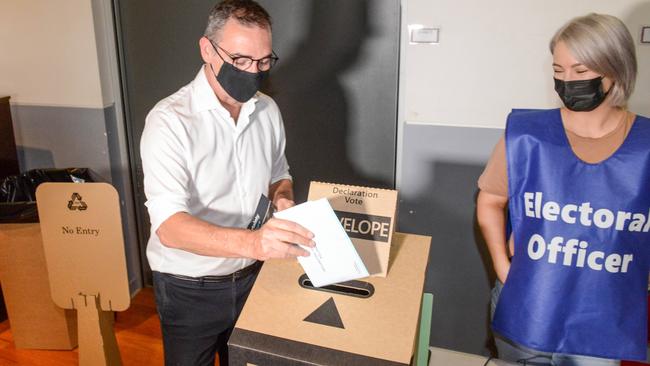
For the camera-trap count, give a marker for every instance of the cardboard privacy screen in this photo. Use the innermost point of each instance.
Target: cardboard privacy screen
(368, 217)
(83, 243)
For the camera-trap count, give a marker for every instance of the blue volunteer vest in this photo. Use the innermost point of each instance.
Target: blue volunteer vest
(579, 276)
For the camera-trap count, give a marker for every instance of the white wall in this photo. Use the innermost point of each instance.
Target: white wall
(48, 54)
(58, 62)
(493, 56)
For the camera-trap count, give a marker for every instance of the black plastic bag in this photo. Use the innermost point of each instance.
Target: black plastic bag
(18, 192)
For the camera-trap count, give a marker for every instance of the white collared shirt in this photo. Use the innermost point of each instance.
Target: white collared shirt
(195, 159)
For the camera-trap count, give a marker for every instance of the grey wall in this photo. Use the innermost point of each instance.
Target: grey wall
(437, 197)
(62, 137)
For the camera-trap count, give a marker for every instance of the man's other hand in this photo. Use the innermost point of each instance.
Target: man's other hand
(284, 203)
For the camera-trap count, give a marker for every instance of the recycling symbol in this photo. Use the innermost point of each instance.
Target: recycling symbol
(76, 203)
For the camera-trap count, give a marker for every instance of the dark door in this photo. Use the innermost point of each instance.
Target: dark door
(336, 82)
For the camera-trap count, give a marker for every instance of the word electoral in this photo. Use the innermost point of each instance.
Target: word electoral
(584, 214)
(576, 252)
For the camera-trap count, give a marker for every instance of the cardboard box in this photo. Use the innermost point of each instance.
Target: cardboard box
(367, 215)
(36, 322)
(284, 323)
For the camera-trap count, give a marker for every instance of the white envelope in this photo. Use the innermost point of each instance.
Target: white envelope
(334, 258)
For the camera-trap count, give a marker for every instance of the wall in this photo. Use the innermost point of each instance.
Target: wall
(59, 66)
(494, 57)
(49, 53)
(454, 98)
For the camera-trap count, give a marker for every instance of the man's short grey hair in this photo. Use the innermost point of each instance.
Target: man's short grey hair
(604, 45)
(246, 12)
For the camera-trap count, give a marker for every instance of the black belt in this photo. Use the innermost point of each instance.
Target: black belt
(246, 271)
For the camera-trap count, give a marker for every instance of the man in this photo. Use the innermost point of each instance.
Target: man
(208, 152)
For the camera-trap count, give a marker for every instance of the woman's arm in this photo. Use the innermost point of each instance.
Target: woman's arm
(491, 214)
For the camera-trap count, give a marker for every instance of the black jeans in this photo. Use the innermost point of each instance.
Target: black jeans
(197, 317)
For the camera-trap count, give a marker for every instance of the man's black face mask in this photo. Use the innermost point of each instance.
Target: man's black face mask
(241, 85)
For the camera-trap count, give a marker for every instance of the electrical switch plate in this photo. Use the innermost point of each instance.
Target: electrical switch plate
(645, 35)
(425, 35)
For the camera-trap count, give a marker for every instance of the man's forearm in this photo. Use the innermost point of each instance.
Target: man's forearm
(275, 239)
(183, 231)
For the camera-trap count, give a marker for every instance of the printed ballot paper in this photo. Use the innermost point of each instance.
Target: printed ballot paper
(334, 258)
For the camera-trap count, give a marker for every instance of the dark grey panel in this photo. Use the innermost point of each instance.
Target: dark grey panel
(121, 182)
(336, 85)
(440, 167)
(159, 53)
(336, 82)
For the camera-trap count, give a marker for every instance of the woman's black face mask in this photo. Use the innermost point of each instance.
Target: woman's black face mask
(581, 95)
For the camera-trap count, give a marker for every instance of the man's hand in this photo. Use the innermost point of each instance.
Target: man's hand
(281, 193)
(279, 238)
(284, 203)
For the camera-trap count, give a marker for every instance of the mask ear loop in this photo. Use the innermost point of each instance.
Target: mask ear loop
(213, 73)
(610, 87)
(217, 52)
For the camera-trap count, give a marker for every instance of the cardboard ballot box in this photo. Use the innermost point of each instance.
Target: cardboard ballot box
(36, 322)
(371, 321)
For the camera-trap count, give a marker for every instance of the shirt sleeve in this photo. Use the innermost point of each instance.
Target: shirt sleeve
(494, 179)
(164, 164)
(280, 169)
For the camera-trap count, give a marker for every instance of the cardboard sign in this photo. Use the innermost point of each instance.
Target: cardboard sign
(83, 243)
(367, 215)
(373, 321)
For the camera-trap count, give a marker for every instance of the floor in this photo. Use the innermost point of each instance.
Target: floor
(137, 330)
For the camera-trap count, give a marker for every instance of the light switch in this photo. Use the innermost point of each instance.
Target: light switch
(645, 35)
(425, 35)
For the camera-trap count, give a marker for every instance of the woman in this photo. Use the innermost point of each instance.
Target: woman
(574, 182)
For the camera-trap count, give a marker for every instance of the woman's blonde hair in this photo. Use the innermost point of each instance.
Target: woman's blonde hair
(604, 45)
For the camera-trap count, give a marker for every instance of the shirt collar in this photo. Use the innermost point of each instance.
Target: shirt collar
(205, 99)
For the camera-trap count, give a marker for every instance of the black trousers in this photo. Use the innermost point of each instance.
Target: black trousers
(197, 317)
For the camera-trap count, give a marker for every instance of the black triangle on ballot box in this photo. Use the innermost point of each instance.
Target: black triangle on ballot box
(326, 314)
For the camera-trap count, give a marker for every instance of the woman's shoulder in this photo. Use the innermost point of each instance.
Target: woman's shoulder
(533, 114)
(526, 121)
(640, 126)
(639, 117)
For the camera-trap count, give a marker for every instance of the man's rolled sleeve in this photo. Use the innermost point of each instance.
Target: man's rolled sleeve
(164, 164)
(280, 169)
